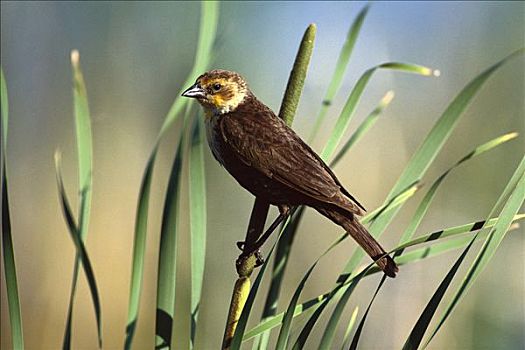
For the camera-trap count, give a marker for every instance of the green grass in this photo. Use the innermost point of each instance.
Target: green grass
(85, 171)
(8, 251)
(82, 254)
(208, 25)
(189, 162)
(198, 221)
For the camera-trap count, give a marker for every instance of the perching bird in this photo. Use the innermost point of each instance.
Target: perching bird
(271, 161)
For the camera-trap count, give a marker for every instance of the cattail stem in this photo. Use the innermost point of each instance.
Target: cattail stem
(246, 265)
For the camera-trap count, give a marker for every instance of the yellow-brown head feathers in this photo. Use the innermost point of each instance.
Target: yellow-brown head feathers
(218, 91)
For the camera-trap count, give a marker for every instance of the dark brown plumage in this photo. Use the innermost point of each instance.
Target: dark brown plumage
(271, 161)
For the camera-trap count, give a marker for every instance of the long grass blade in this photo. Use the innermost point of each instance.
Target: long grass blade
(491, 244)
(139, 249)
(4, 100)
(340, 68)
(74, 232)
(357, 335)
(85, 161)
(417, 255)
(361, 130)
(207, 31)
(197, 197)
(452, 231)
(167, 265)
(429, 196)
(351, 103)
(11, 282)
(84, 142)
(349, 328)
(331, 327)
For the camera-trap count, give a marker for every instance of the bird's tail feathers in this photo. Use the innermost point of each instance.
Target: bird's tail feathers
(361, 235)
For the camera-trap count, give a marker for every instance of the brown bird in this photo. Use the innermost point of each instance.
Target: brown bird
(271, 161)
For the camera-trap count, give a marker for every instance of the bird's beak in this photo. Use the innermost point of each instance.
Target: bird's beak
(194, 91)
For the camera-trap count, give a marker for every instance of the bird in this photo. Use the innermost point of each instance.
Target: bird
(271, 161)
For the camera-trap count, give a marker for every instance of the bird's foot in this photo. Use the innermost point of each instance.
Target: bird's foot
(259, 259)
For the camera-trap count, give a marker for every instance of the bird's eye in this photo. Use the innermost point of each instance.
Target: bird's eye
(216, 87)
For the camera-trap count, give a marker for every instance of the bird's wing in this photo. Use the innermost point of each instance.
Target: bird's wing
(265, 142)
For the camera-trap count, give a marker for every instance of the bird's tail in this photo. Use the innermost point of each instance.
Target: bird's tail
(361, 235)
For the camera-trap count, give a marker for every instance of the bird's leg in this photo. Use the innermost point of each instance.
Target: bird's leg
(284, 211)
(270, 230)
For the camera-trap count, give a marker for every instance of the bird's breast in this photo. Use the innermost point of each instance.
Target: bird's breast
(214, 137)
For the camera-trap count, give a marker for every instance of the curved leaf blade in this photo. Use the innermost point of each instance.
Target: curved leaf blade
(207, 31)
(83, 136)
(361, 130)
(80, 248)
(351, 103)
(8, 252)
(429, 196)
(197, 198)
(349, 328)
(167, 264)
(357, 335)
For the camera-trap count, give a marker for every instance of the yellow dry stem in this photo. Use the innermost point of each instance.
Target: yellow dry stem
(239, 296)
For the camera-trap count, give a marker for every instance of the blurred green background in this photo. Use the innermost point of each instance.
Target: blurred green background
(135, 56)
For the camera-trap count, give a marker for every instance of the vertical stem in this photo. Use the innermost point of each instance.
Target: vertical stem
(246, 265)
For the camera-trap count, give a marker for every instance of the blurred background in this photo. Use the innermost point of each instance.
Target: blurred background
(136, 55)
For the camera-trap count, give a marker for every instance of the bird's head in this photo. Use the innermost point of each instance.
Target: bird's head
(218, 91)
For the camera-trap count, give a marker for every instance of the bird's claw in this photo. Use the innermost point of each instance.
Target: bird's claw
(259, 260)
